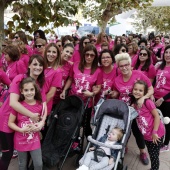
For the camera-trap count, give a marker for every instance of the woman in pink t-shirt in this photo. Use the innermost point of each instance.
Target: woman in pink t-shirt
(77, 53)
(149, 123)
(26, 139)
(123, 86)
(35, 70)
(15, 66)
(144, 64)
(162, 92)
(82, 78)
(65, 67)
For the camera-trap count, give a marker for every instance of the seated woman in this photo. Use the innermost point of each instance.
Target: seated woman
(114, 137)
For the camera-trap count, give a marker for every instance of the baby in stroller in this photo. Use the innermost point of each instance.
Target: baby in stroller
(103, 155)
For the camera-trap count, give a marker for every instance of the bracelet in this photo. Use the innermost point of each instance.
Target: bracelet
(154, 132)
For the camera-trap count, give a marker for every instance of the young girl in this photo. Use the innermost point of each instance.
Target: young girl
(149, 123)
(27, 138)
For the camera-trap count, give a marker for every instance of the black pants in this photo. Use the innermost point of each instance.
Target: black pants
(7, 146)
(138, 135)
(153, 150)
(165, 109)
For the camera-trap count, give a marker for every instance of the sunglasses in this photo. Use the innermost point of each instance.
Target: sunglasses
(3, 45)
(86, 43)
(125, 65)
(104, 36)
(91, 55)
(143, 54)
(38, 46)
(142, 46)
(16, 37)
(93, 41)
(107, 57)
(59, 45)
(166, 43)
(123, 50)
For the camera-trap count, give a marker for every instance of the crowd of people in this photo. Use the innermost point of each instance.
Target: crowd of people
(36, 76)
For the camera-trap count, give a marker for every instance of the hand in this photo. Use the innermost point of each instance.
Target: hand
(92, 149)
(38, 126)
(35, 117)
(87, 93)
(152, 98)
(141, 101)
(155, 138)
(26, 129)
(111, 161)
(159, 101)
(63, 95)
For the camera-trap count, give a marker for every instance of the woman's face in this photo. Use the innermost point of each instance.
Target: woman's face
(35, 67)
(157, 40)
(122, 50)
(67, 53)
(86, 42)
(143, 55)
(118, 41)
(52, 54)
(40, 47)
(148, 45)
(104, 38)
(124, 67)
(16, 37)
(106, 60)
(124, 41)
(89, 57)
(167, 56)
(37, 35)
(7, 58)
(130, 49)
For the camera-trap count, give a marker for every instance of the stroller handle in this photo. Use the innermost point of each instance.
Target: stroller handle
(90, 139)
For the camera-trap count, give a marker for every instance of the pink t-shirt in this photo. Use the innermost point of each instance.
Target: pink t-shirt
(151, 73)
(30, 50)
(125, 88)
(98, 47)
(27, 141)
(25, 58)
(84, 81)
(53, 79)
(134, 59)
(155, 50)
(145, 120)
(76, 56)
(111, 45)
(15, 68)
(3, 63)
(162, 86)
(5, 110)
(65, 69)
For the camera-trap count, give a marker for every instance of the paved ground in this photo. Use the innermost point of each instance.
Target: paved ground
(131, 159)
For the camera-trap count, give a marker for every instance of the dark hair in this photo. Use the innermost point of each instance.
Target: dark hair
(145, 67)
(81, 48)
(118, 47)
(143, 40)
(22, 36)
(99, 37)
(141, 82)
(163, 64)
(82, 63)
(41, 33)
(68, 45)
(37, 89)
(12, 51)
(65, 38)
(58, 59)
(116, 39)
(106, 51)
(40, 59)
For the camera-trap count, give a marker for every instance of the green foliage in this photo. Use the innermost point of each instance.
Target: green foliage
(156, 17)
(104, 11)
(32, 14)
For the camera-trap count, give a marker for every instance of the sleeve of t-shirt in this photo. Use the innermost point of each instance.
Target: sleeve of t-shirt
(57, 80)
(71, 73)
(4, 78)
(21, 69)
(152, 72)
(146, 79)
(150, 105)
(114, 87)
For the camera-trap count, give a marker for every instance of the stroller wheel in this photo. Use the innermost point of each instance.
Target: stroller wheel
(79, 156)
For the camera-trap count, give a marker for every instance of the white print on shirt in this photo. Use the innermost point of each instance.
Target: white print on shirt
(124, 94)
(161, 79)
(142, 124)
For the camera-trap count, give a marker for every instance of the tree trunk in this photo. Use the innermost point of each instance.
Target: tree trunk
(103, 26)
(2, 6)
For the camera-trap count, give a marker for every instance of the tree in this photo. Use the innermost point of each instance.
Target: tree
(156, 17)
(105, 11)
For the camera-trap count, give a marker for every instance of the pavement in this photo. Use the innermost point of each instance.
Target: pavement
(131, 160)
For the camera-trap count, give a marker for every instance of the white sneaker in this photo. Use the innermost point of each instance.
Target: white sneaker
(83, 167)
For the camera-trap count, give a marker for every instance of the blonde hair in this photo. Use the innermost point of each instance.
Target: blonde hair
(122, 56)
(120, 133)
(41, 41)
(134, 46)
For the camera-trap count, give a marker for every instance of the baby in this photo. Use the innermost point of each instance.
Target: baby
(114, 136)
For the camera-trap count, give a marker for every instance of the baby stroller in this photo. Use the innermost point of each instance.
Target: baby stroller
(63, 131)
(112, 113)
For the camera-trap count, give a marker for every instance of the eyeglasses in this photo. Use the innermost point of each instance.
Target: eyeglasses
(123, 50)
(16, 37)
(38, 46)
(86, 43)
(59, 45)
(93, 41)
(3, 45)
(125, 65)
(143, 54)
(107, 57)
(166, 43)
(104, 36)
(141, 46)
(89, 55)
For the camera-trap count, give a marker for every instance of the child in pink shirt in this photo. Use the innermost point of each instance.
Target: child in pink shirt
(27, 138)
(149, 123)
